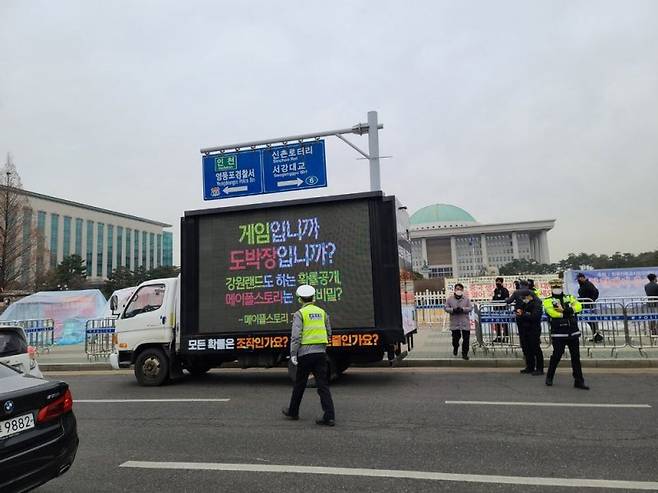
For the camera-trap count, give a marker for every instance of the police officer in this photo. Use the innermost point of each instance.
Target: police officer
(311, 332)
(561, 310)
(528, 321)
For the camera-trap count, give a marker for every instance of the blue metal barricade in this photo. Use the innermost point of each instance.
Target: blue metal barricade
(496, 328)
(642, 323)
(99, 337)
(40, 332)
(605, 318)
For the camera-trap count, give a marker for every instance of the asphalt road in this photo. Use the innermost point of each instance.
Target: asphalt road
(388, 420)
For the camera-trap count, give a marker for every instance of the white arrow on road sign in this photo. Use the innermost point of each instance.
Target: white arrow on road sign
(228, 190)
(296, 182)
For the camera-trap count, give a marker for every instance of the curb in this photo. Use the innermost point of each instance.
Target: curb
(408, 363)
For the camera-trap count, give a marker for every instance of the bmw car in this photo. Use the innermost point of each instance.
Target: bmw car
(38, 431)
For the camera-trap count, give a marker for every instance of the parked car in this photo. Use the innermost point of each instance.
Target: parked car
(15, 352)
(38, 431)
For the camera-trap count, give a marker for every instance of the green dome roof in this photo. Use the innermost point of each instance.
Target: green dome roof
(441, 213)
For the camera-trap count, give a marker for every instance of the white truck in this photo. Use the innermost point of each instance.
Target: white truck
(234, 299)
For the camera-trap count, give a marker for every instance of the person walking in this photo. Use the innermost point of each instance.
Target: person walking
(459, 306)
(561, 310)
(587, 292)
(311, 332)
(651, 290)
(500, 294)
(528, 322)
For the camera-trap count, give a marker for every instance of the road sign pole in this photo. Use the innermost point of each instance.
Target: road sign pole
(373, 151)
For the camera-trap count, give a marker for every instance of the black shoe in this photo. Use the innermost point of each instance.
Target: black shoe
(465, 357)
(536, 373)
(526, 370)
(549, 381)
(581, 385)
(288, 415)
(325, 422)
(497, 339)
(598, 338)
(454, 351)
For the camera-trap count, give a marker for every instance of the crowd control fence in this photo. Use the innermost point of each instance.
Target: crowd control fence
(40, 333)
(99, 337)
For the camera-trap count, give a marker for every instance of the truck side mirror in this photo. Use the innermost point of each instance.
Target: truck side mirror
(114, 305)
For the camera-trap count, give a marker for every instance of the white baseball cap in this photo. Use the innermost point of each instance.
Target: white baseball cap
(305, 291)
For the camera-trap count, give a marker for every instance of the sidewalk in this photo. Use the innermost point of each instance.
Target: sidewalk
(432, 348)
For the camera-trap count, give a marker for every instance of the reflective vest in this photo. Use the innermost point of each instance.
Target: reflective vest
(561, 326)
(314, 327)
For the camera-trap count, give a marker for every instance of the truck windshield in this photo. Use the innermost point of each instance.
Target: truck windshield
(147, 299)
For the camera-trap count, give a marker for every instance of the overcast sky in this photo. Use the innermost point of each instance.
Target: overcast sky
(513, 110)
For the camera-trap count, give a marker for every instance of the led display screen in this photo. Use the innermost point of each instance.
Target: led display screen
(252, 261)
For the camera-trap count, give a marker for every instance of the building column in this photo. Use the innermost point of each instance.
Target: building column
(483, 249)
(515, 246)
(453, 253)
(423, 249)
(543, 248)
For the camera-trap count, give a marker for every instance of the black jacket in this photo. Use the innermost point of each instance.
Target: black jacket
(651, 288)
(588, 290)
(500, 294)
(531, 317)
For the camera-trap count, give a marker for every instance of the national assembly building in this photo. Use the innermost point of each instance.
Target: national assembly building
(448, 242)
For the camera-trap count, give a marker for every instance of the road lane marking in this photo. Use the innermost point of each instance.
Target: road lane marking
(121, 401)
(549, 404)
(397, 474)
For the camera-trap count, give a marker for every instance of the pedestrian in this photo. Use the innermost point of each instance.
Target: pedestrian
(500, 294)
(588, 293)
(528, 321)
(311, 332)
(561, 310)
(651, 290)
(459, 306)
(516, 299)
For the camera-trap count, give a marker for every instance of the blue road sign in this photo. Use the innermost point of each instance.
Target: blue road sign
(269, 170)
(232, 175)
(294, 167)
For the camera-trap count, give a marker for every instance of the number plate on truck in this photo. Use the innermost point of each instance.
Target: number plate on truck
(16, 425)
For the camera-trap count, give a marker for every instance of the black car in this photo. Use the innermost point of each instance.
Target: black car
(38, 432)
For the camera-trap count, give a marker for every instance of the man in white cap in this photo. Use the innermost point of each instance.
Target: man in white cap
(311, 333)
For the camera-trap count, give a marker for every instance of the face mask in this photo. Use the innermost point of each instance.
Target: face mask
(499, 285)
(459, 293)
(557, 291)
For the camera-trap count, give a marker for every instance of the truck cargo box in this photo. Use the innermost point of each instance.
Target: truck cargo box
(241, 266)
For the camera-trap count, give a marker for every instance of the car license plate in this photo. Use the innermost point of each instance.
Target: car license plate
(16, 425)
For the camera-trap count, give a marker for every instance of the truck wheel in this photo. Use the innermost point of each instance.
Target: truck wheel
(152, 367)
(198, 369)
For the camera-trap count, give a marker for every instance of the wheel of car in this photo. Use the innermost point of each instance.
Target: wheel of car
(152, 367)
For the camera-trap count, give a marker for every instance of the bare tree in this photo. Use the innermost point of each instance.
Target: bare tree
(16, 237)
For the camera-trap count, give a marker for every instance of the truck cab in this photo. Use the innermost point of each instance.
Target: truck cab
(145, 330)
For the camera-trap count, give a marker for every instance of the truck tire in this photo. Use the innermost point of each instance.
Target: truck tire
(152, 367)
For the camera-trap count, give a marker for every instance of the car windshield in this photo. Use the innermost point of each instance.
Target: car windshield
(11, 343)
(6, 371)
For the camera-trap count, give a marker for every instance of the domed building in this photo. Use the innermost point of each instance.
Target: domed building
(448, 242)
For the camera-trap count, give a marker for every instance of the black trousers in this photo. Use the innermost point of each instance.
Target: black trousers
(315, 363)
(559, 343)
(530, 339)
(461, 334)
